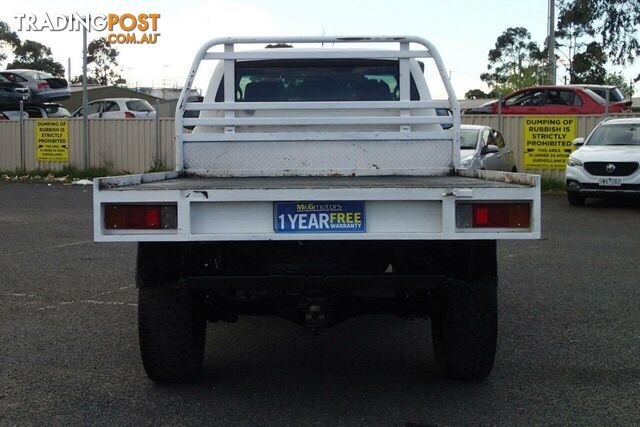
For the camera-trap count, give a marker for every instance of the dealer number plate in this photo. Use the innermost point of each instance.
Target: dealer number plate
(319, 217)
(610, 182)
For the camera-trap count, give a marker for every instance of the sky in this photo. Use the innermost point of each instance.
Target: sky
(462, 31)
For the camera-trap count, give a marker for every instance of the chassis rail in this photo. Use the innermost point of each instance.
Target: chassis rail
(328, 282)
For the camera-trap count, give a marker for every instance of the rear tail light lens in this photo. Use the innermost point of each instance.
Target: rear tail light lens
(493, 215)
(621, 107)
(3, 117)
(43, 85)
(129, 115)
(140, 217)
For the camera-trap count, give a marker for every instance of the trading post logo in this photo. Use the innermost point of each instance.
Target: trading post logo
(126, 28)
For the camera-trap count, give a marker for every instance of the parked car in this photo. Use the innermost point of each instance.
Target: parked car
(43, 86)
(482, 147)
(11, 92)
(601, 90)
(606, 164)
(118, 108)
(445, 112)
(11, 114)
(56, 111)
(552, 100)
(47, 110)
(193, 114)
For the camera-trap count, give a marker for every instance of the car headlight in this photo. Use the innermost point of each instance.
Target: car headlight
(466, 162)
(574, 162)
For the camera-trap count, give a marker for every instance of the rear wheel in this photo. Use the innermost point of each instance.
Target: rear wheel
(171, 327)
(172, 335)
(464, 312)
(575, 199)
(464, 329)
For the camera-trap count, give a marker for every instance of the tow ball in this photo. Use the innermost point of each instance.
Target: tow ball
(315, 318)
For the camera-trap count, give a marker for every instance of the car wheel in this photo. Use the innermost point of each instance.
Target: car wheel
(575, 199)
(172, 335)
(171, 326)
(464, 329)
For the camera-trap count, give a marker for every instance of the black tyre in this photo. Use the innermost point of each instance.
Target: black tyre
(575, 199)
(464, 328)
(172, 334)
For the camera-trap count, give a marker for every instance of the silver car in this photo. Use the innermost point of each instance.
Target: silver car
(43, 86)
(11, 92)
(615, 95)
(47, 110)
(482, 147)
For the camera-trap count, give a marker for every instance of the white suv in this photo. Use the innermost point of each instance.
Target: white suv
(606, 164)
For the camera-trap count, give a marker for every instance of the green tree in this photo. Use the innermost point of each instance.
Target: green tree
(589, 65)
(77, 80)
(572, 34)
(102, 61)
(8, 40)
(36, 56)
(617, 79)
(614, 22)
(515, 62)
(479, 94)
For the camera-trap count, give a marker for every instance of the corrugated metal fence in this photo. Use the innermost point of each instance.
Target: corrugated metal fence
(137, 145)
(118, 145)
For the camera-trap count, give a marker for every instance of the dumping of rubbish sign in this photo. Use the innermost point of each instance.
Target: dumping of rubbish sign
(52, 140)
(548, 141)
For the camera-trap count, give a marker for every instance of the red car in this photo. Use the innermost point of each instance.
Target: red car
(558, 100)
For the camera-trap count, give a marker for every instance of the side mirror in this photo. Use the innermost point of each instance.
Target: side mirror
(490, 149)
(578, 142)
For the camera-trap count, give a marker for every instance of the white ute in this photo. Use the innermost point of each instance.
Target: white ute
(317, 185)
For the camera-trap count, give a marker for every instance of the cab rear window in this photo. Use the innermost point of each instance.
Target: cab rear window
(309, 80)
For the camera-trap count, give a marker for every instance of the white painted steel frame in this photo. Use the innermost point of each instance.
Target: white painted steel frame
(318, 136)
(404, 106)
(448, 197)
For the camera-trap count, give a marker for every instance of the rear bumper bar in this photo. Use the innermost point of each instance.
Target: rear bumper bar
(242, 209)
(595, 190)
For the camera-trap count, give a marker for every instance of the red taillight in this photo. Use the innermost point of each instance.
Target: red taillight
(501, 215)
(153, 218)
(3, 117)
(480, 216)
(129, 115)
(140, 217)
(621, 107)
(43, 85)
(493, 215)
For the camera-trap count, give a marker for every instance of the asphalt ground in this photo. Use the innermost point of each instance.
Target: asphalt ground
(568, 347)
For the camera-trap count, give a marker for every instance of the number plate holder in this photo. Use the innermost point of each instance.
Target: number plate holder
(319, 217)
(610, 182)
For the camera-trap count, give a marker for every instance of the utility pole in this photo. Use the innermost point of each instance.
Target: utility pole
(85, 104)
(551, 41)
